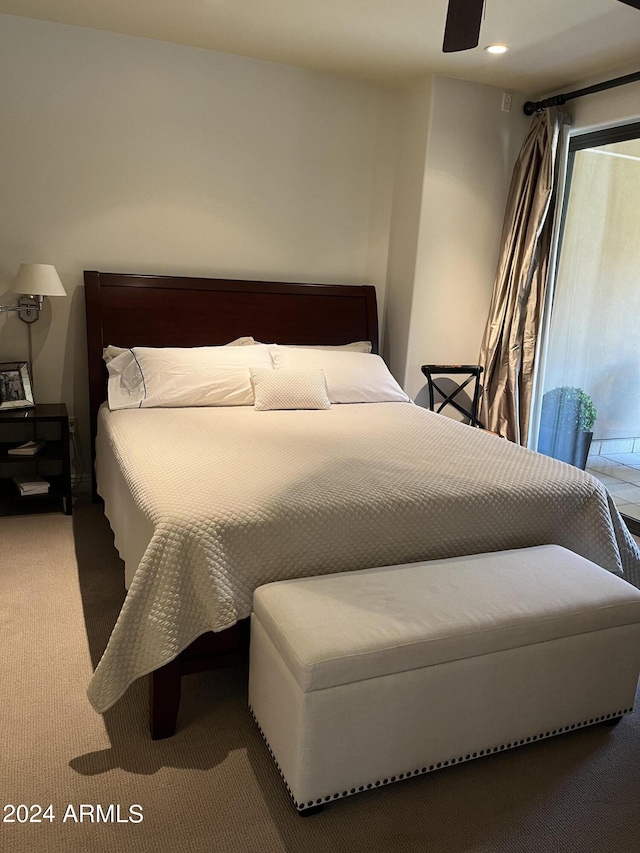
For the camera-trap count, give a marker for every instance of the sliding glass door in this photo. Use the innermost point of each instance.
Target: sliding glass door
(589, 397)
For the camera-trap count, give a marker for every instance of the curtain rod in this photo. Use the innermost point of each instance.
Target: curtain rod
(532, 107)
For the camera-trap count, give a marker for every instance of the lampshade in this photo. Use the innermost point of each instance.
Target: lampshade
(38, 280)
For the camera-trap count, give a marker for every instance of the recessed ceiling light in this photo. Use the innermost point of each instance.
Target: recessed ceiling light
(497, 48)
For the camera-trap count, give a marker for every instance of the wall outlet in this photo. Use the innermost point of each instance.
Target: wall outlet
(73, 423)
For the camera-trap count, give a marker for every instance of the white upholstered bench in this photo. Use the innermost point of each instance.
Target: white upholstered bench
(363, 678)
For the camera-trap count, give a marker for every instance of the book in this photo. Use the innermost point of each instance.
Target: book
(28, 449)
(32, 485)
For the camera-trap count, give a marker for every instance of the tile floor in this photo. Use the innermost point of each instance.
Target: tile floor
(620, 473)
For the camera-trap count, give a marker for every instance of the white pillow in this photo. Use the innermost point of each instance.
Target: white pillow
(111, 352)
(356, 346)
(290, 388)
(352, 377)
(242, 342)
(147, 377)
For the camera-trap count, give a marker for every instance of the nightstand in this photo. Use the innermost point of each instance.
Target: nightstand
(50, 423)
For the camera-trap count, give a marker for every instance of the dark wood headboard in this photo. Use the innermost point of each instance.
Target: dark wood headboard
(157, 311)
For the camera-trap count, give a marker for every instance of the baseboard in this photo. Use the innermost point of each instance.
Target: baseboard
(82, 486)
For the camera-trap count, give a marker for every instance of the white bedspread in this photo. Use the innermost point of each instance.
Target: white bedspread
(237, 498)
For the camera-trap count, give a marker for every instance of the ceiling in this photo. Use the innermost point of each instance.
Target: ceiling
(552, 44)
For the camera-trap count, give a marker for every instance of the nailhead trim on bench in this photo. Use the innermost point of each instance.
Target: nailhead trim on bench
(511, 745)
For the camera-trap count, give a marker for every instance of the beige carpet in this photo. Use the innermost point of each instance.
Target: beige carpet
(212, 787)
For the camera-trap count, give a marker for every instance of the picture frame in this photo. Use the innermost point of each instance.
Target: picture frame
(16, 390)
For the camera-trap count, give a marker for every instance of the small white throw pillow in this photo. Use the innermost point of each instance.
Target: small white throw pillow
(289, 389)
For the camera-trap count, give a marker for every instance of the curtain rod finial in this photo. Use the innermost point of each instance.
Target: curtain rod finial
(532, 107)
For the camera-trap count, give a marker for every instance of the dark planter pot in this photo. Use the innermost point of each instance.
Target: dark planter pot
(567, 446)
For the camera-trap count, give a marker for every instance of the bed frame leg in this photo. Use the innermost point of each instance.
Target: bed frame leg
(165, 687)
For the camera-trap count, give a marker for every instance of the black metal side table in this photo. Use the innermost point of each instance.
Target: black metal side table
(472, 371)
(53, 460)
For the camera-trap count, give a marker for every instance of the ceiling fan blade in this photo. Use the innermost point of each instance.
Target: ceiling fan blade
(462, 29)
(634, 3)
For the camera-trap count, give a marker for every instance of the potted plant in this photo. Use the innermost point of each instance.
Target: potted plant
(566, 425)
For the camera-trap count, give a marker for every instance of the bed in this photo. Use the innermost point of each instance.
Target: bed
(207, 503)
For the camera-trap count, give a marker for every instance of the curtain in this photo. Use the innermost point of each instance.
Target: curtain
(509, 345)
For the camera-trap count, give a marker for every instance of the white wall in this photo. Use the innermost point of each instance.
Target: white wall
(413, 129)
(470, 151)
(605, 109)
(132, 155)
